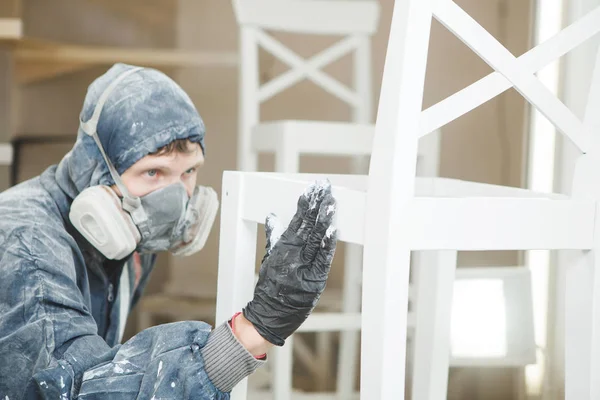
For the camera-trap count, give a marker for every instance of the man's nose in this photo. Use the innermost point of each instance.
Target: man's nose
(173, 179)
(180, 179)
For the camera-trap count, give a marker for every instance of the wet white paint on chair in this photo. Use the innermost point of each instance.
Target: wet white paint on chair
(391, 212)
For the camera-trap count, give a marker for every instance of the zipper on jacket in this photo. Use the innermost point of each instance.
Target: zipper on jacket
(111, 295)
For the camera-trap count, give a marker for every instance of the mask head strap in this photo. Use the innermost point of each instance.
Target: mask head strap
(130, 203)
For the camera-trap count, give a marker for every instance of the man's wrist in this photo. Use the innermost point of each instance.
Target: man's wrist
(226, 360)
(249, 337)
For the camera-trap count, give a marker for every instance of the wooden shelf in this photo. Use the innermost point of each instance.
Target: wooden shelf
(37, 51)
(38, 60)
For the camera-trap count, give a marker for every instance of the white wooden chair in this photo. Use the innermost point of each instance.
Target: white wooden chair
(356, 22)
(290, 139)
(391, 212)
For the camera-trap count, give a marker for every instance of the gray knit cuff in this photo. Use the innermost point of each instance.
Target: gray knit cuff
(226, 360)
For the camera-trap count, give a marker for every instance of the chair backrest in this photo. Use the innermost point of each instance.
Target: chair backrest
(401, 122)
(428, 156)
(355, 20)
(326, 17)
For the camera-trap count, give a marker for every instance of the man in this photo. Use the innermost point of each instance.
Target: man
(78, 243)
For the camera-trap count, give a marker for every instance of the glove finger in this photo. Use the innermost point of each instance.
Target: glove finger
(326, 252)
(269, 226)
(302, 208)
(320, 192)
(323, 222)
(273, 230)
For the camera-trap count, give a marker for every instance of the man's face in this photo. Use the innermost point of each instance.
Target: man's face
(154, 172)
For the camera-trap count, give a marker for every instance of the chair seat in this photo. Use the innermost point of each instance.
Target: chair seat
(445, 220)
(314, 137)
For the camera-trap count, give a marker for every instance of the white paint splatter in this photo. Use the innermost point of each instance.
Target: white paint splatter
(134, 127)
(309, 189)
(94, 373)
(313, 202)
(330, 209)
(121, 367)
(313, 190)
(62, 382)
(128, 351)
(317, 185)
(328, 234)
(44, 384)
(159, 368)
(330, 231)
(172, 384)
(277, 230)
(6, 398)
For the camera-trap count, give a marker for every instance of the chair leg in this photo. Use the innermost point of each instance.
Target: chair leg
(349, 340)
(237, 256)
(383, 328)
(324, 367)
(582, 328)
(434, 282)
(282, 370)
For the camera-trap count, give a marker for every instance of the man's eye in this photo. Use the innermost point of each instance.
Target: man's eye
(151, 172)
(191, 170)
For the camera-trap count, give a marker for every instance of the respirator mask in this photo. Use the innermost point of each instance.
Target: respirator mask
(163, 220)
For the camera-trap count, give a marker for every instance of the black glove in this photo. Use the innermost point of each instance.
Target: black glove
(295, 268)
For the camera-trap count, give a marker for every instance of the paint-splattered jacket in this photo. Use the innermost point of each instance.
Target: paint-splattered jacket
(63, 306)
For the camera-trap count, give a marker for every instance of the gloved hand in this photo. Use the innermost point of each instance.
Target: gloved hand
(294, 271)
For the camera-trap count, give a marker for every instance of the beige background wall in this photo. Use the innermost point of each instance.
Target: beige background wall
(484, 146)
